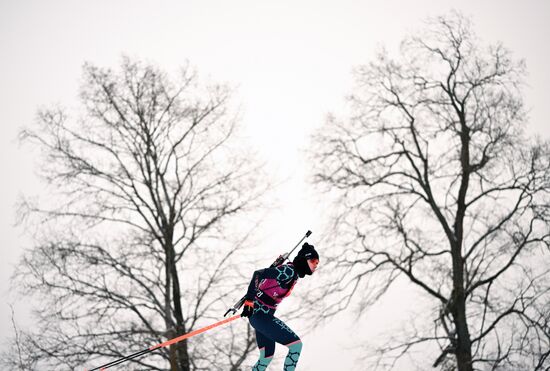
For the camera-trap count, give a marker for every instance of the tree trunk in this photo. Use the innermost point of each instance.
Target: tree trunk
(463, 346)
(181, 348)
(463, 343)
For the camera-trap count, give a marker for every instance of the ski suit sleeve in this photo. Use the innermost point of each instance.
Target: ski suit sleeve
(257, 277)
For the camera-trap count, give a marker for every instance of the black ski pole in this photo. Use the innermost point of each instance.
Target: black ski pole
(280, 260)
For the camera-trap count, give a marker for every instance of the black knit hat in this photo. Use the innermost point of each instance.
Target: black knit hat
(306, 253)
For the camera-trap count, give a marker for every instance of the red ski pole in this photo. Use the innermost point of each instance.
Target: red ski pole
(165, 344)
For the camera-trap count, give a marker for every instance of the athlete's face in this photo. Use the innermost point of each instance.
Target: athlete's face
(313, 263)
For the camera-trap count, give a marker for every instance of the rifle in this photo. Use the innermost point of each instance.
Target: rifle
(280, 260)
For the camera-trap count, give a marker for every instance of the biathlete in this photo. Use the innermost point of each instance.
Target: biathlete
(267, 289)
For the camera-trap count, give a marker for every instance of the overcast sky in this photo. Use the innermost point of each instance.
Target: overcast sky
(290, 62)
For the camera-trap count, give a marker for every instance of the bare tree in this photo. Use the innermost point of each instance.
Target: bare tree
(437, 183)
(135, 241)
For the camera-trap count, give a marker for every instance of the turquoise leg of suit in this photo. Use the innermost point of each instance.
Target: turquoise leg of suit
(294, 350)
(263, 361)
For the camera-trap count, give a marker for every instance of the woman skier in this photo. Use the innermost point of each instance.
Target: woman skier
(267, 289)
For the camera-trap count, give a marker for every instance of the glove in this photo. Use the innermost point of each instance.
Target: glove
(248, 308)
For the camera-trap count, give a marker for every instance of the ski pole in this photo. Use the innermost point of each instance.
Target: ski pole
(280, 260)
(165, 344)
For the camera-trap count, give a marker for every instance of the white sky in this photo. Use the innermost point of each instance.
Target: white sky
(290, 62)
